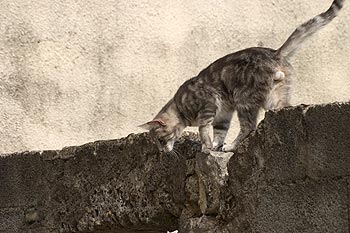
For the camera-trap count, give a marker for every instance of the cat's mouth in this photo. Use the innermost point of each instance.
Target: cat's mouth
(165, 147)
(168, 147)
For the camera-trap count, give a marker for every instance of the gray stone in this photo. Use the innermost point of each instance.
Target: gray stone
(120, 184)
(203, 224)
(11, 220)
(283, 145)
(212, 176)
(304, 206)
(328, 137)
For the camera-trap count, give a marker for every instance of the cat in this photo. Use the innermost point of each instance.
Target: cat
(245, 81)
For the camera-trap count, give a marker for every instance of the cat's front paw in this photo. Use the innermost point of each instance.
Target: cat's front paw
(228, 148)
(205, 149)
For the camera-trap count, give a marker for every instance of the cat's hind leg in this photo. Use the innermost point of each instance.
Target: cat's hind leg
(247, 117)
(280, 95)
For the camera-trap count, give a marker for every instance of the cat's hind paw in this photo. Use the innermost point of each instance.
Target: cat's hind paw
(228, 148)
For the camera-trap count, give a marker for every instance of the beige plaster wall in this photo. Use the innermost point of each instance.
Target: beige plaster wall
(84, 70)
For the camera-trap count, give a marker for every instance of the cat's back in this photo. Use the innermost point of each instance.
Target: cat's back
(238, 62)
(250, 65)
(246, 59)
(245, 68)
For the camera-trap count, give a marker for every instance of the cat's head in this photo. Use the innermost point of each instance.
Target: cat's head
(164, 132)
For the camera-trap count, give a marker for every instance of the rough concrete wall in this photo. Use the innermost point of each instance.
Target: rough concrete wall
(107, 186)
(77, 71)
(291, 175)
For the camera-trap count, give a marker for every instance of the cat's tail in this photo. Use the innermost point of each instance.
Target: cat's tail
(308, 28)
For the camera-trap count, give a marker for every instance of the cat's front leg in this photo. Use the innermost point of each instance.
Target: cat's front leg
(205, 121)
(247, 119)
(204, 133)
(221, 125)
(219, 138)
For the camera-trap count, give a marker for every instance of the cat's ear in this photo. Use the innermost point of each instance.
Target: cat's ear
(153, 124)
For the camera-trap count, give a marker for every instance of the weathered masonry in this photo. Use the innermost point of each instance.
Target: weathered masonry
(291, 175)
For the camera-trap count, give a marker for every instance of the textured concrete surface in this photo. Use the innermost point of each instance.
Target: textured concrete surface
(86, 70)
(107, 186)
(291, 175)
(212, 175)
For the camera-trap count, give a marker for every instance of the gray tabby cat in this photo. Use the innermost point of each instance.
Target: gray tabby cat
(245, 81)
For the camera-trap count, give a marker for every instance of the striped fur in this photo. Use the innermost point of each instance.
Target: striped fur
(245, 81)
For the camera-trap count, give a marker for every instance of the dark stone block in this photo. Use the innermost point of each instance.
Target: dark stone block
(328, 136)
(305, 206)
(283, 148)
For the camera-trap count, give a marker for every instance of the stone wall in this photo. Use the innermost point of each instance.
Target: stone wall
(291, 175)
(86, 70)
